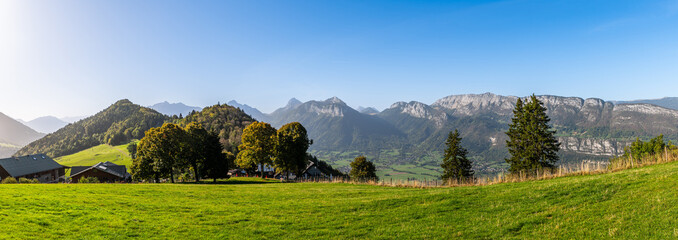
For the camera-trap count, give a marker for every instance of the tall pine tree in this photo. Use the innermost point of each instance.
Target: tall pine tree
(532, 144)
(456, 165)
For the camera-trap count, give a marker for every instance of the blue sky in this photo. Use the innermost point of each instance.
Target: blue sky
(71, 58)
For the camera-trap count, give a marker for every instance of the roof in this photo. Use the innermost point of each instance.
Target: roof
(29, 164)
(78, 169)
(107, 167)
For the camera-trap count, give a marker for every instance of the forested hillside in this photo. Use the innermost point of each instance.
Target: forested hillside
(223, 119)
(115, 125)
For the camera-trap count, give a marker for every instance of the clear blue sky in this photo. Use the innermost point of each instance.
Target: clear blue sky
(69, 58)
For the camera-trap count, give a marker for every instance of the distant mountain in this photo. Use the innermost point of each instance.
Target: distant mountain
(72, 119)
(255, 113)
(333, 125)
(47, 124)
(291, 104)
(414, 133)
(171, 109)
(667, 102)
(115, 125)
(14, 135)
(368, 110)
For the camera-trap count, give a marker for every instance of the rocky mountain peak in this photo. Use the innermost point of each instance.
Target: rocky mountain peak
(470, 104)
(367, 110)
(334, 100)
(421, 110)
(291, 104)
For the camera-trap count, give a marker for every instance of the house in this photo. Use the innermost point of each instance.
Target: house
(38, 166)
(104, 171)
(312, 170)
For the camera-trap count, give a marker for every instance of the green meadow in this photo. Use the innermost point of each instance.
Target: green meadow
(102, 153)
(631, 204)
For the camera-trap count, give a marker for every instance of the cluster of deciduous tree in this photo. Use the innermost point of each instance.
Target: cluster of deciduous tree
(170, 150)
(363, 170)
(284, 149)
(117, 124)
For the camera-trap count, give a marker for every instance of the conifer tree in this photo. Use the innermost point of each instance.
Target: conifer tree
(532, 144)
(456, 165)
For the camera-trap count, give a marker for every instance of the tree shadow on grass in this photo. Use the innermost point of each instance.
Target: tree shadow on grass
(234, 181)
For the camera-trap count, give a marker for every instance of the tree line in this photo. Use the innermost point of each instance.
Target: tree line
(171, 150)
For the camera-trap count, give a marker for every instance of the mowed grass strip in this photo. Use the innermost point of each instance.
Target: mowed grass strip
(631, 204)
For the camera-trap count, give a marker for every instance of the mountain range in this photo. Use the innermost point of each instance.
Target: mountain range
(667, 102)
(46, 124)
(171, 109)
(413, 133)
(14, 135)
(404, 140)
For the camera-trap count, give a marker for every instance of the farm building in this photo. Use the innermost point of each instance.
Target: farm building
(38, 166)
(312, 170)
(104, 171)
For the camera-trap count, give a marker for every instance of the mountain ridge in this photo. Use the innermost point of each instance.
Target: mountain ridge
(45, 124)
(171, 109)
(117, 124)
(14, 135)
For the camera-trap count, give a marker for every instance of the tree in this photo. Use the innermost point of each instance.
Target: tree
(216, 159)
(132, 149)
(532, 144)
(456, 165)
(363, 170)
(639, 149)
(161, 150)
(196, 150)
(142, 165)
(258, 146)
(290, 150)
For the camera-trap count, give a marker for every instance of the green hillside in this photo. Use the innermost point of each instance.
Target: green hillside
(102, 153)
(117, 124)
(630, 204)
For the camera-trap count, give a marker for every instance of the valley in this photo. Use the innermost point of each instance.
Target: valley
(404, 140)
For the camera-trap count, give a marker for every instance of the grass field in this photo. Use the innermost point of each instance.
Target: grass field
(94, 155)
(632, 204)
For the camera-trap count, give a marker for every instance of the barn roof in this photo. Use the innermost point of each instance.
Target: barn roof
(25, 165)
(108, 167)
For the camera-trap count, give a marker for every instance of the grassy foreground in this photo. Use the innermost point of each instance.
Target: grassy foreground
(632, 204)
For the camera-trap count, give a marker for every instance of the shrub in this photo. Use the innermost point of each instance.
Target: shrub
(35, 180)
(89, 180)
(8, 180)
(24, 180)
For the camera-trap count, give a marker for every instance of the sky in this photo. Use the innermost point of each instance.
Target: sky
(75, 58)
